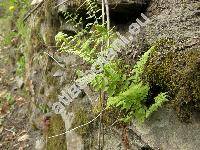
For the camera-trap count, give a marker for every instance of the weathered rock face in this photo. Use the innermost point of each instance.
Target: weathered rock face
(174, 67)
(177, 60)
(164, 131)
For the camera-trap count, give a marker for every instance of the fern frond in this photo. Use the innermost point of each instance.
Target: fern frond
(159, 101)
(139, 67)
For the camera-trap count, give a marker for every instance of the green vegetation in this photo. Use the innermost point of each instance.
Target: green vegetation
(20, 66)
(178, 73)
(126, 91)
(132, 101)
(14, 11)
(81, 117)
(44, 108)
(164, 73)
(9, 99)
(18, 32)
(7, 102)
(86, 42)
(112, 80)
(56, 125)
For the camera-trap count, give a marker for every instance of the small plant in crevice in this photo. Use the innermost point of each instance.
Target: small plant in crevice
(132, 101)
(20, 66)
(112, 80)
(9, 98)
(87, 42)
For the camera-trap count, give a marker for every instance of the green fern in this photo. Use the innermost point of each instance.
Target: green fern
(128, 93)
(139, 67)
(92, 11)
(85, 43)
(132, 101)
(111, 80)
(159, 100)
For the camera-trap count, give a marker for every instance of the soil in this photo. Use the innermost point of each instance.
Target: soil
(15, 130)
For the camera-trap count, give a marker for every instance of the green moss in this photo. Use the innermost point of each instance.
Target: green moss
(50, 80)
(178, 72)
(53, 96)
(81, 117)
(56, 127)
(51, 21)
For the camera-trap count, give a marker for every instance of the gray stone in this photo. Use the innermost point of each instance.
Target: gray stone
(19, 82)
(164, 130)
(40, 143)
(58, 73)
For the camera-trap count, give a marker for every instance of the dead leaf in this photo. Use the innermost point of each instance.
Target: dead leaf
(4, 108)
(1, 129)
(23, 138)
(3, 93)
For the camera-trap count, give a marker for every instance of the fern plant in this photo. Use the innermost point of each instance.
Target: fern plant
(111, 80)
(93, 11)
(86, 42)
(132, 101)
(139, 67)
(126, 92)
(159, 100)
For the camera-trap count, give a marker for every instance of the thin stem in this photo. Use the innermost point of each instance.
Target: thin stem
(54, 60)
(103, 12)
(103, 107)
(100, 126)
(108, 19)
(32, 11)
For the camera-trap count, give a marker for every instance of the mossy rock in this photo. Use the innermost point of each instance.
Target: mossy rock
(176, 71)
(81, 117)
(56, 126)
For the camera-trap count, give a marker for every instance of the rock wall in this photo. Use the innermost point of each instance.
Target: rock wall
(176, 20)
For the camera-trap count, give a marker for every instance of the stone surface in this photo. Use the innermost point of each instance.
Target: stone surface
(19, 82)
(164, 130)
(179, 21)
(40, 143)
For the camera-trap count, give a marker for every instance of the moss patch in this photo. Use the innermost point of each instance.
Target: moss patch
(56, 127)
(178, 72)
(81, 117)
